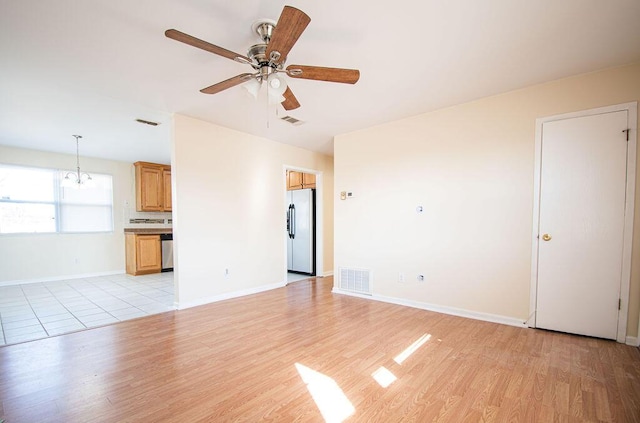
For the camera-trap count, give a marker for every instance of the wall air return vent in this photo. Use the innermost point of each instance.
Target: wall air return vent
(292, 120)
(355, 280)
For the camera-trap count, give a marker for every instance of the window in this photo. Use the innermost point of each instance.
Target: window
(32, 201)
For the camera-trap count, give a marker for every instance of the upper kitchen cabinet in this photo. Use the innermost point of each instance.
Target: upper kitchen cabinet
(166, 185)
(299, 180)
(153, 187)
(308, 180)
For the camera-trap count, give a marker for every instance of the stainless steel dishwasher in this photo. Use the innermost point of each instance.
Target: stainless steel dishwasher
(167, 252)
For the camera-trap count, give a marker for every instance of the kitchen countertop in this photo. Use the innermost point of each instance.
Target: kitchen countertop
(149, 231)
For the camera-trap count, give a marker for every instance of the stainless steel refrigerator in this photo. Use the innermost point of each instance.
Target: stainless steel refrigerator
(301, 231)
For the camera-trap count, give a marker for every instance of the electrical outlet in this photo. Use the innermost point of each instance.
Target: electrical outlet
(343, 195)
(226, 273)
(420, 278)
(400, 277)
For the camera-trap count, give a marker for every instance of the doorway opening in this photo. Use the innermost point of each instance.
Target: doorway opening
(303, 223)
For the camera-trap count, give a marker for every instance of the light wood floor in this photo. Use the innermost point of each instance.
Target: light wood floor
(266, 357)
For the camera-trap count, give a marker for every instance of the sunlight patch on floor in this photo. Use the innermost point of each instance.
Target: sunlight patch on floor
(384, 377)
(330, 399)
(400, 358)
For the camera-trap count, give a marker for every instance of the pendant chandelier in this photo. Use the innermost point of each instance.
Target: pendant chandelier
(77, 179)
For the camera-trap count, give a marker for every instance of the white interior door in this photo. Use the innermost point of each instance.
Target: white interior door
(581, 223)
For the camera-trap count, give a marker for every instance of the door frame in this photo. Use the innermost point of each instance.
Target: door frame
(319, 222)
(632, 109)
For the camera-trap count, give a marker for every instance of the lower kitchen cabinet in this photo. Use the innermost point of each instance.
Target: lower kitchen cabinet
(144, 254)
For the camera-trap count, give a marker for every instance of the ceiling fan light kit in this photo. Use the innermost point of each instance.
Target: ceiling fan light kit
(277, 85)
(268, 59)
(253, 87)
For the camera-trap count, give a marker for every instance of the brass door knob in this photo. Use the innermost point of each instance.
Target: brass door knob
(546, 237)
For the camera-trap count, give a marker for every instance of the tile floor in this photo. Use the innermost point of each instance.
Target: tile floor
(39, 310)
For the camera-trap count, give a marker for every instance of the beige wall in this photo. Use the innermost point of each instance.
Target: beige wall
(471, 168)
(229, 209)
(34, 257)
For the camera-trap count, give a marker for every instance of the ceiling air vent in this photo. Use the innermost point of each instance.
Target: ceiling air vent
(147, 122)
(292, 120)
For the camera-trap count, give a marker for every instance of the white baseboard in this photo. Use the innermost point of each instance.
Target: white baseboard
(327, 274)
(228, 295)
(61, 278)
(633, 341)
(505, 320)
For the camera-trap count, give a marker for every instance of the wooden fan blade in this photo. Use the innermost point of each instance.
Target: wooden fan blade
(291, 24)
(345, 76)
(231, 82)
(174, 34)
(290, 101)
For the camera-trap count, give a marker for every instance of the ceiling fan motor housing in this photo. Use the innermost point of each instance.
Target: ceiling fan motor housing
(257, 54)
(265, 67)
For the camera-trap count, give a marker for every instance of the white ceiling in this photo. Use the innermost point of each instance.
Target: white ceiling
(91, 67)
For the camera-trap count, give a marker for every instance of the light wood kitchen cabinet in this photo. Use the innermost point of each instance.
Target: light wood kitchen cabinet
(166, 184)
(153, 187)
(300, 180)
(308, 180)
(143, 254)
(294, 180)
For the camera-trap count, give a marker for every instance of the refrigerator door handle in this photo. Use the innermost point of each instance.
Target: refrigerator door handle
(289, 221)
(293, 221)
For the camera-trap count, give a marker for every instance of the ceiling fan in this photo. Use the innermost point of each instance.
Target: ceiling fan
(269, 57)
